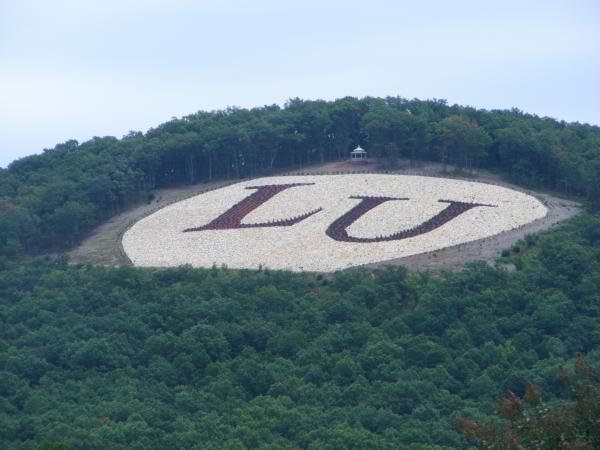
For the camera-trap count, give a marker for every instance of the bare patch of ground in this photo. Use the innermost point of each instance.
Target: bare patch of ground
(103, 246)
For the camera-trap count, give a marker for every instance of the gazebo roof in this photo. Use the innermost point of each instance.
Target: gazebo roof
(359, 149)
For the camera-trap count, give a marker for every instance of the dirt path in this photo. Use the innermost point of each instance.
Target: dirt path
(103, 245)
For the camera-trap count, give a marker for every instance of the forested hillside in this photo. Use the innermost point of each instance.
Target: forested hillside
(192, 358)
(118, 358)
(49, 201)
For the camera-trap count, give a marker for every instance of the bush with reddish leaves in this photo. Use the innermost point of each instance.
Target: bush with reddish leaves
(526, 423)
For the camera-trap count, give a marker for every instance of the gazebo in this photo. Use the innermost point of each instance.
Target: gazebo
(358, 155)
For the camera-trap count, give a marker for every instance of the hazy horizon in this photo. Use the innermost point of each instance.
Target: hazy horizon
(73, 70)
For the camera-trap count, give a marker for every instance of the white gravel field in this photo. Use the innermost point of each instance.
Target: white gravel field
(159, 240)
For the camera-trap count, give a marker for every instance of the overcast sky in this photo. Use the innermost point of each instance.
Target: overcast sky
(84, 68)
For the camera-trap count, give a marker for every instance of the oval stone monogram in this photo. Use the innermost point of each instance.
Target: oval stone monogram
(325, 222)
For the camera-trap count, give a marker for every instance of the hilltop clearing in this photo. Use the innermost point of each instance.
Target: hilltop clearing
(103, 245)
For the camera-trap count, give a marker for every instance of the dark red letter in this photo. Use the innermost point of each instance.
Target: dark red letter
(337, 230)
(232, 218)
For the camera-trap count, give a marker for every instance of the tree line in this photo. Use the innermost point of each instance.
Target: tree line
(50, 201)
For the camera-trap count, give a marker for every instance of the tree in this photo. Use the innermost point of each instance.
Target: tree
(593, 192)
(387, 131)
(462, 141)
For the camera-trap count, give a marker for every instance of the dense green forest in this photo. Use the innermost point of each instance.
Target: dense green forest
(118, 358)
(49, 201)
(115, 358)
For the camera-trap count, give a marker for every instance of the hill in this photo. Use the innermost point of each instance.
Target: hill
(49, 202)
(122, 357)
